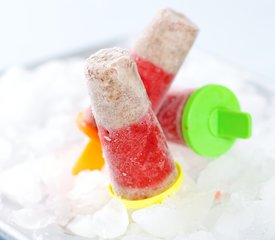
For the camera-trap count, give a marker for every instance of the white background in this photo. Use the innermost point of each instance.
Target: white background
(240, 31)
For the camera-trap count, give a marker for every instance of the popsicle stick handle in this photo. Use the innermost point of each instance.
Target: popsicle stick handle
(234, 124)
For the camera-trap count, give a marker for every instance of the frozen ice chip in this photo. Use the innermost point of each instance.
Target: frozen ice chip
(55, 173)
(32, 218)
(267, 197)
(90, 192)
(62, 124)
(235, 218)
(140, 237)
(259, 231)
(190, 161)
(179, 213)
(61, 208)
(249, 182)
(5, 150)
(53, 232)
(221, 173)
(227, 220)
(192, 208)
(111, 221)
(82, 226)
(267, 192)
(213, 216)
(253, 102)
(135, 232)
(22, 185)
(41, 140)
(159, 220)
(188, 186)
(200, 235)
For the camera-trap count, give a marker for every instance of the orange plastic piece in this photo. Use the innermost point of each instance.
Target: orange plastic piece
(86, 127)
(91, 157)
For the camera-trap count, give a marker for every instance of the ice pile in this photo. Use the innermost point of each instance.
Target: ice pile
(228, 198)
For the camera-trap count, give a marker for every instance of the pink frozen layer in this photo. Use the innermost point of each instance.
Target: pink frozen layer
(156, 81)
(170, 115)
(133, 142)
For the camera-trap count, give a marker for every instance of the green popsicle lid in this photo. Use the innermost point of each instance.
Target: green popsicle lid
(212, 120)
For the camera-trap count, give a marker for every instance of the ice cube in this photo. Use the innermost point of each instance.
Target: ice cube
(82, 225)
(253, 102)
(213, 216)
(22, 185)
(53, 232)
(199, 235)
(267, 192)
(191, 162)
(89, 192)
(178, 214)
(134, 228)
(248, 183)
(5, 150)
(55, 173)
(111, 221)
(235, 218)
(32, 217)
(221, 173)
(159, 220)
(192, 208)
(61, 208)
(140, 237)
(263, 224)
(266, 212)
(135, 232)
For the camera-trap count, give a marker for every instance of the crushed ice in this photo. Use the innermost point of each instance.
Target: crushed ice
(228, 198)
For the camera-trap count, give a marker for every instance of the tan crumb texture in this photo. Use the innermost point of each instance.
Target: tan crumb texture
(167, 40)
(137, 193)
(117, 94)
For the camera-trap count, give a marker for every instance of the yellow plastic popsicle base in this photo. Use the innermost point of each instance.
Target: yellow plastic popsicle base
(142, 203)
(90, 159)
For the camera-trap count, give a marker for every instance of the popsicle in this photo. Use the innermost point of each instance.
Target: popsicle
(133, 142)
(208, 119)
(159, 52)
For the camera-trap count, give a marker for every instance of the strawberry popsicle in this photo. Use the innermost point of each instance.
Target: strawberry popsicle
(133, 143)
(160, 51)
(208, 120)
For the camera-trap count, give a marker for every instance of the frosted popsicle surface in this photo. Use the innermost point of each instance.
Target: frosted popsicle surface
(133, 142)
(170, 115)
(160, 51)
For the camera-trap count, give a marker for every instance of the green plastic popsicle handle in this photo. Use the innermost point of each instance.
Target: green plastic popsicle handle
(212, 120)
(232, 124)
